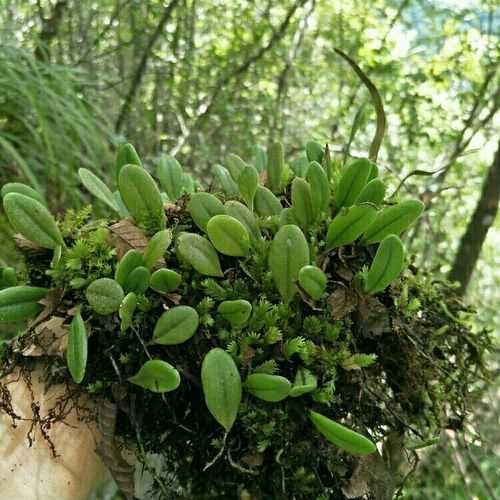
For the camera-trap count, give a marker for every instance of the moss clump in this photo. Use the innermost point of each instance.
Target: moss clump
(400, 362)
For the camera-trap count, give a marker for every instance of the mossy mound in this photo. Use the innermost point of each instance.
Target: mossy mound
(297, 273)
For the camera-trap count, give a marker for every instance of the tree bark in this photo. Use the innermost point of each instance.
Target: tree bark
(50, 28)
(141, 68)
(477, 229)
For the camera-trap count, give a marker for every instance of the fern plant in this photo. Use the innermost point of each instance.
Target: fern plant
(259, 333)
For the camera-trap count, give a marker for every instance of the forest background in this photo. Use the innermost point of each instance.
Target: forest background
(203, 78)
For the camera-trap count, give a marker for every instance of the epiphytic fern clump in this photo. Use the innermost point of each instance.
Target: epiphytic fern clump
(263, 337)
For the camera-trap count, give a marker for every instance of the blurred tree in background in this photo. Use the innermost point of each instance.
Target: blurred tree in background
(200, 79)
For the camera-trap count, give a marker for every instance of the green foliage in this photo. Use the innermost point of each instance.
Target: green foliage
(313, 281)
(237, 312)
(49, 128)
(247, 185)
(176, 326)
(351, 184)
(30, 218)
(342, 436)
(251, 295)
(202, 207)
(221, 386)
(386, 265)
(104, 296)
(393, 220)
(126, 310)
(275, 166)
(271, 388)
(97, 187)
(142, 198)
(77, 352)
(171, 177)
(20, 302)
(288, 254)
(157, 247)
(157, 376)
(349, 224)
(199, 253)
(165, 280)
(126, 155)
(228, 235)
(130, 261)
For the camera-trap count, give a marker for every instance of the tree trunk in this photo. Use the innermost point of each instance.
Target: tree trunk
(50, 28)
(481, 221)
(141, 68)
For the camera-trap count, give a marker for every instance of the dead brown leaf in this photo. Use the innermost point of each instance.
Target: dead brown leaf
(50, 339)
(125, 236)
(372, 316)
(345, 273)
(26, 246)
(342, 302)
(51, 302)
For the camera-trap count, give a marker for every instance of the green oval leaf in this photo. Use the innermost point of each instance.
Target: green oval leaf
(235, 165)
(104, 296)
(300, 165)
(157, 247)
(314, 151)
(126, 310)
(30, 218)
(272, 388)
(76, 354)
(228, 235)
(302, 204)
(393, 220)
(237, 312)
(247, 185)
(386, 265)
(241, 213)
(8, 277)
(349, 224)
(373, 172)
(352, 182)
(130, 261)
(138, 280)
(204, 206)
(221, 383)
(288, 254)
(287, 217)
(127, 155)
(225, 181)
(304, 382)
(313, 280)
(18, 187)
(199, 253)
(96, 187)
(157, 376)
(342, 436)
(373, 192)
(171, 176)
(18, 303)
(266, 203)
(320, 188)
(165, 280)
(275, 166)
(260, 158)
(142, 198)
(176, 325)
